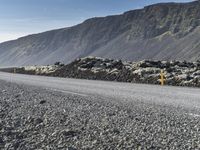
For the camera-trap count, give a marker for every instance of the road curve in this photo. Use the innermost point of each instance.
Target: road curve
(176, 96)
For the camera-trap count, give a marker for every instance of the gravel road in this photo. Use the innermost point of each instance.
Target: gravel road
(52, 113)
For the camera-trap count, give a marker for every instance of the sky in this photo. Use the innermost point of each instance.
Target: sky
(23, 17)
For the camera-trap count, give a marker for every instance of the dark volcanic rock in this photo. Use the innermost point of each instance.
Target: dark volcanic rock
(43, 102)
(69, 133)
(179, 73)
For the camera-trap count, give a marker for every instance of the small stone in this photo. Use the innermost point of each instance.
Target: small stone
(94, 142)
(1, 140)
(17, 96)
(43, 102)
(71, 148)
(137, 119)
(116, 131)
(69, 133)
(38, 121)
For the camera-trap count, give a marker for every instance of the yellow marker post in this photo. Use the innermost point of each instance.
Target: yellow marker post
(14, 70)
(162, 78)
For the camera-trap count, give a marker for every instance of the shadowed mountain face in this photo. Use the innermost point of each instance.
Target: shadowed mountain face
(165, 31)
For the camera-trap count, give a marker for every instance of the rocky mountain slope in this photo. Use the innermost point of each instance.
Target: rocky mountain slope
(165, 31)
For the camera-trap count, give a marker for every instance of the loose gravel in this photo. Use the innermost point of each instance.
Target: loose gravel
(36, 118)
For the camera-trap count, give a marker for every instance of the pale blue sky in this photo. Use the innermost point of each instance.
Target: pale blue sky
(23, 17)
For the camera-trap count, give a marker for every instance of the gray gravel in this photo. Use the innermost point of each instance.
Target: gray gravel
(36, 118)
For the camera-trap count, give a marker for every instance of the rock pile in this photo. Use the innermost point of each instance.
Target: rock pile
(33, 70)
(41, 69)
(178, 73)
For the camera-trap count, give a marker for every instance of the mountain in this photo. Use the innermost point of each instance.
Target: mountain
(164, 31)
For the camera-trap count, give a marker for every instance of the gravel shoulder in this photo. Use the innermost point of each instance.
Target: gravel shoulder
(37, 118)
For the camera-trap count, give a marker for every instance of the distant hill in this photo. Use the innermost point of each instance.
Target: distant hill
(165, 31)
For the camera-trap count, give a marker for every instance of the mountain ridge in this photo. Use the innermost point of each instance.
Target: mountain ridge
(164, 31)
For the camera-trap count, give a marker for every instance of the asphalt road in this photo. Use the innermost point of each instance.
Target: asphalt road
(38, 112)
(177, 96)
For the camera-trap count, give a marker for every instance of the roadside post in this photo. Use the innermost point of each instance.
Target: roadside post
(162, 78)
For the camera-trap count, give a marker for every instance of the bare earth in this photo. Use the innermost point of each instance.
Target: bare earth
(53, 113)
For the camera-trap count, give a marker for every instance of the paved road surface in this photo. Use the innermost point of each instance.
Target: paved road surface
(186, 97)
